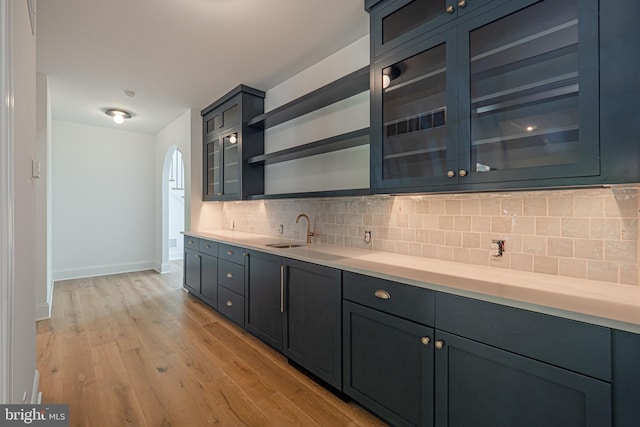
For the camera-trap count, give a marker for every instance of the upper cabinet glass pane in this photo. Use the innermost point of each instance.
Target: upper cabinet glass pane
(231, 159)
(410, 16)
(524, 82)
(213, 169)
(415, 116)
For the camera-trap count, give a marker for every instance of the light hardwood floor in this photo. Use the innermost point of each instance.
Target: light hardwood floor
(135, 350)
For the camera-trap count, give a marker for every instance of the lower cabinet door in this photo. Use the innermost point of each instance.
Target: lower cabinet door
(209, 279)
(313, 319)
(388, 365)
(264, 297)
(192, 271)
(482, 386)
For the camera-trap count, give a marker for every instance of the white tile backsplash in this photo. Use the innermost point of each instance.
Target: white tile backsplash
(586, 233)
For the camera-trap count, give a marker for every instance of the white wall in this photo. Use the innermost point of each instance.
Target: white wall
(178, 134)
(344, 169)
(103, 200)
(21, 352)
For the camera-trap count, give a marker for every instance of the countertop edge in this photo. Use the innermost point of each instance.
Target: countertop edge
(560, 296)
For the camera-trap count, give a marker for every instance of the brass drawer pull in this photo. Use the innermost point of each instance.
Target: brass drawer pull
(425, 340)
(229, 304)
(439, 344)
(382, 294)
(208, 246)
(450, 9)
(229, 252)
(191, 242)
(229, 275)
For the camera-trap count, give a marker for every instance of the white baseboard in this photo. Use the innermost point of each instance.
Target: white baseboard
(102, 270)
(35, 394)
(162, 268)
(43, 311)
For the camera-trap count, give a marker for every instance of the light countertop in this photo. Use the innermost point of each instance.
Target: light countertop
(602, 303)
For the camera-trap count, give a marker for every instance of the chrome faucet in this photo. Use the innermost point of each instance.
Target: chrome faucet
(310, 233)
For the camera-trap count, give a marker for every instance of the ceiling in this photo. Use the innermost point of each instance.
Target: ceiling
(179, 54)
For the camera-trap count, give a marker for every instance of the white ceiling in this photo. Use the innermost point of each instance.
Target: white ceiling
(179, 54)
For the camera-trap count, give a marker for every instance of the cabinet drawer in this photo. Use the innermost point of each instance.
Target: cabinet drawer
(231, 253)
(578, 346)
(409, 302)
(231, 305)
(191, 243)
(231, 276)
(208, 247)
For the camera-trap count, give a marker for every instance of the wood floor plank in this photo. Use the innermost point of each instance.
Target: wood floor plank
(120, 405)
(135, 349)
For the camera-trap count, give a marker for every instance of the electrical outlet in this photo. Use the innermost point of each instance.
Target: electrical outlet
(367, 236)
(497, 248)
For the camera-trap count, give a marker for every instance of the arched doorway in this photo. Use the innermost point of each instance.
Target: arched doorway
(173, 207)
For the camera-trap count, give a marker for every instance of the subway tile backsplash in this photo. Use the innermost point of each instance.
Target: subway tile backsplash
(583, 233)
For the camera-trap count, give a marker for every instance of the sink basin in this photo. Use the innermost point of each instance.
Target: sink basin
(285, 245)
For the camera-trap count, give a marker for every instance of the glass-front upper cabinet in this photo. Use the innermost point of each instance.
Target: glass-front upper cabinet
(227, 144)
(416, 140)
(509, 95)
(223, 166)
(530, 100)
(396, 22)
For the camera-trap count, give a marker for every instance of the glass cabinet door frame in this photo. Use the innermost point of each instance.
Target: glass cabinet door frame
(388, 9)
(224, 193)
(588, 98)
(378, 180)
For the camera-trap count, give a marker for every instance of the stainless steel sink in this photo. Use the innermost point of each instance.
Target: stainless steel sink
(285, 245)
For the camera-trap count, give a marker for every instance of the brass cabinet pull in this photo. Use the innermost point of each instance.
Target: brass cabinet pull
(229, 275)
(229, 252)
(439, 344)
(382, 294)
(451, 174)
(208, 246)
(197, 256)
(462, 3)
(282, 289)
(191, 242)
(462, 172)
(425, 340)
(450, 9)
(229, 304)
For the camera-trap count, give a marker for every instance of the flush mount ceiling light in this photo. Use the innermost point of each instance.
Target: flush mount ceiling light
(118, 115)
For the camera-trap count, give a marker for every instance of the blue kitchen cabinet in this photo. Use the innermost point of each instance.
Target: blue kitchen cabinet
(312, 319)
(388, 361)
(264, 297)
(507, 95)
(228, 142)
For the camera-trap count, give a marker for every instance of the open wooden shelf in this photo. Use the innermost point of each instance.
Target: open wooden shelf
(316, 194)
(343, 88)
(338, 142)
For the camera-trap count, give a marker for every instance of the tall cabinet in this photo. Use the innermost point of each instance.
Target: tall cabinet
(469, 94)
(228, 142)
